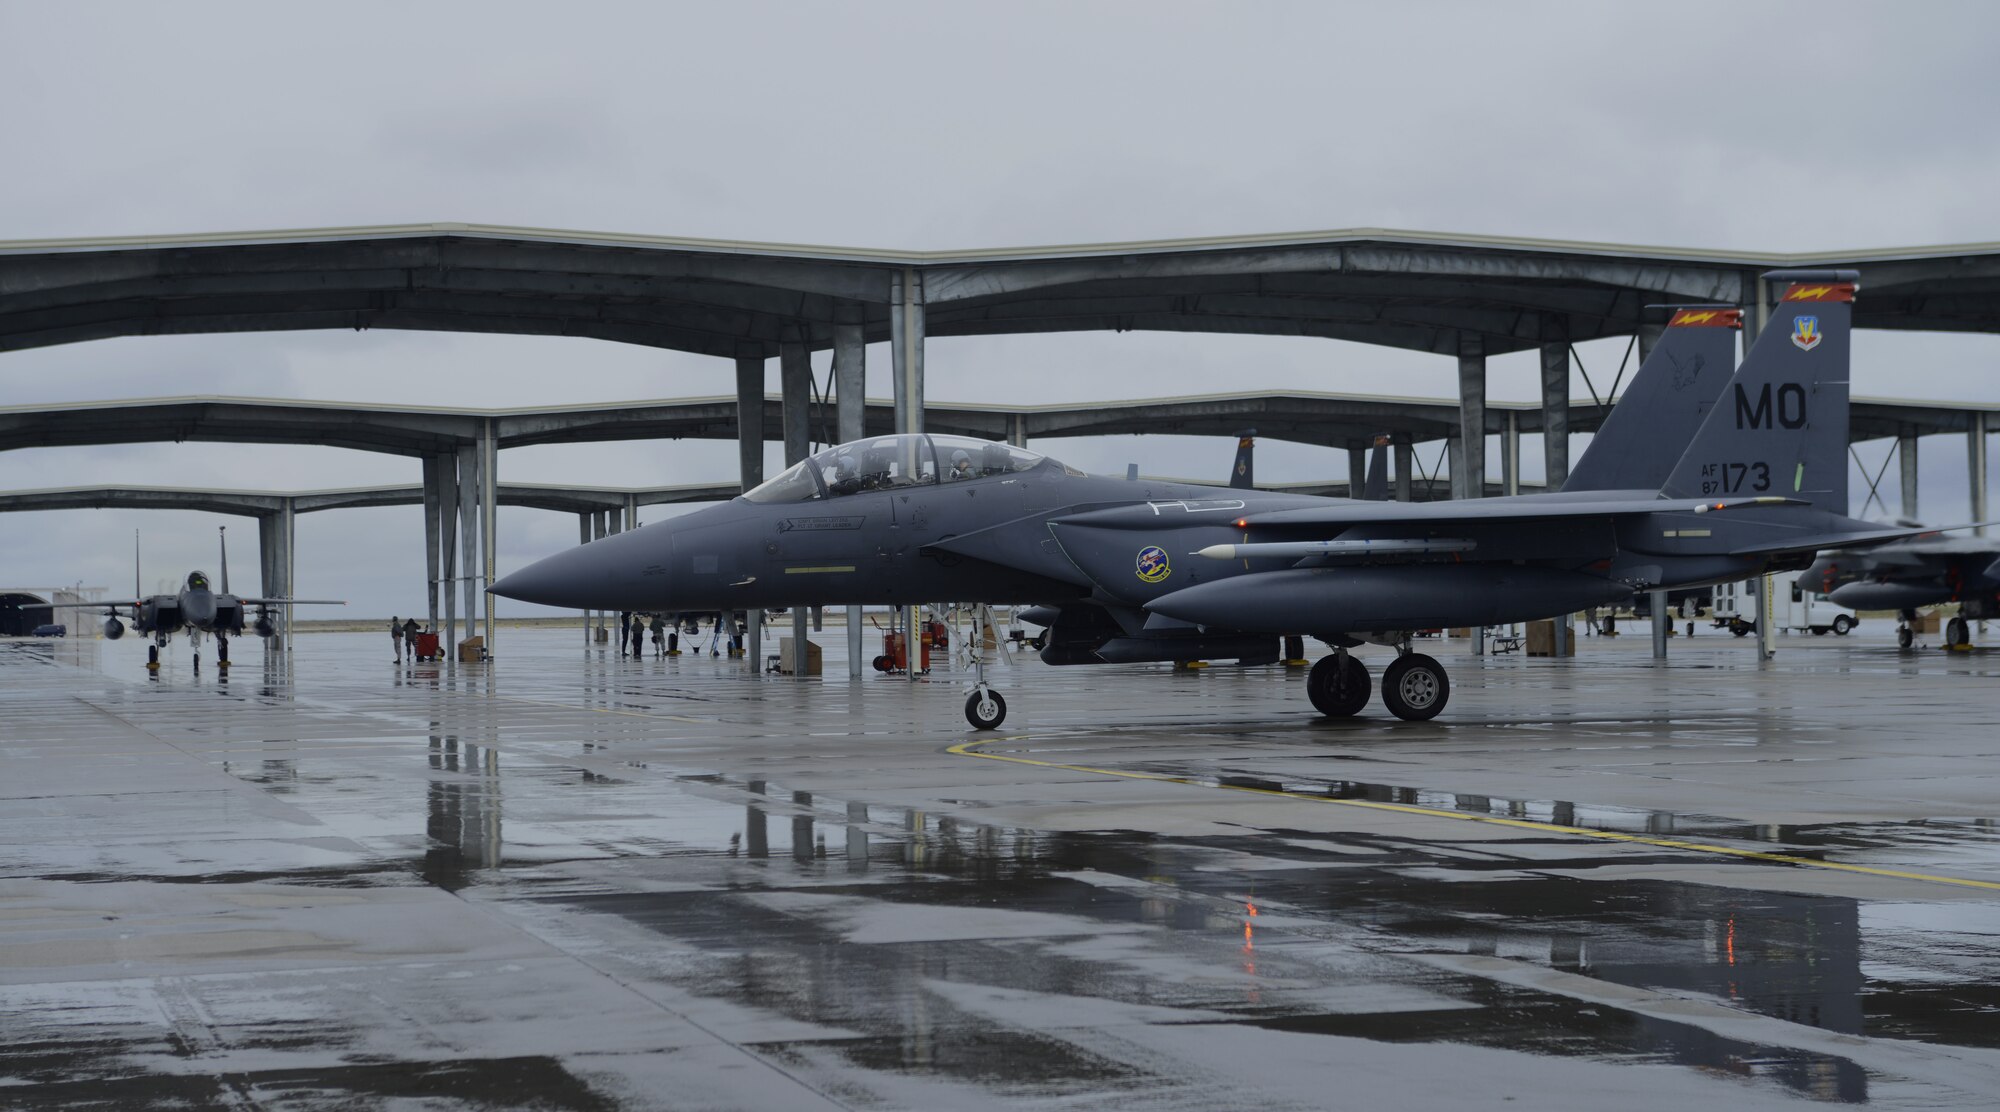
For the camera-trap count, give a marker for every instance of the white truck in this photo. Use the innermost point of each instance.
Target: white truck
(1794, 608)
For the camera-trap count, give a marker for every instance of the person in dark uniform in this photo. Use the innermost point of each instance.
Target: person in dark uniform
(659, 635)
(624, 630)
(396, 637)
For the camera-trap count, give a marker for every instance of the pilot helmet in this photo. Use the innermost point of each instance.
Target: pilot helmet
(961, 460)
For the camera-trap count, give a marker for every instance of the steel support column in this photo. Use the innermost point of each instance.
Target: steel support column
(1975, 445)
(850, 375)
(1649, 338)
(1906, 462)
(1405, 479)
(433, 498)
(1555, 415)
(489, 514)
(1472, 412)
(906, 349)
(290, 565)
(850, 394)
(583, 537)
(468, 544)
(1357, 471)
(448, 548)
(906, 344)
(1455, 453)
(1662, 622)
(750, 469)
(1510, 455)
(795, 383)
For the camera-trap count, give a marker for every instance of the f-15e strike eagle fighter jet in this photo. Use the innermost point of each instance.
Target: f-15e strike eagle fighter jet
(1163, 571)
(1926, 571)
(197, 608)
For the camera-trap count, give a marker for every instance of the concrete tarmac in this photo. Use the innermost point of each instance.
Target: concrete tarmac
(567, 880)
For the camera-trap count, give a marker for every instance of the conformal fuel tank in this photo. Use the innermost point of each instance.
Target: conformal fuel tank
(1372, 598)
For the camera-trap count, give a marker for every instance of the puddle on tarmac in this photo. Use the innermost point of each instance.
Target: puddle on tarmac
(1797, 958)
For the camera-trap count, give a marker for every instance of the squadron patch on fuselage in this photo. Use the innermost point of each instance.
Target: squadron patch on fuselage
(1152, 564)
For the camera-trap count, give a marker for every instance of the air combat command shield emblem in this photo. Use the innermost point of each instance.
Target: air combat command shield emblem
(1806, 334)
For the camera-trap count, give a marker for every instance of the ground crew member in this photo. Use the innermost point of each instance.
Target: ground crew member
(410, 636)
(624, 630)
(396, 637)
(659, 635)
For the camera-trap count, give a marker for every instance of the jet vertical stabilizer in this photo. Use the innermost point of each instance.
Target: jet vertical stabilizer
(1243, 474)
(1659, 413)
(1780, 428)
(1375, 485)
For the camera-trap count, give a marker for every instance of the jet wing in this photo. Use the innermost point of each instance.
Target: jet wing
(291, 601)
(93, 606)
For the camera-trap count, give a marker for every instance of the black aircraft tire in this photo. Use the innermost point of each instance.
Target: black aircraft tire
(1956, 632)
(1336, 691)
(1415, 687)
(987, 712)
(1841, 624)
(1904, 638)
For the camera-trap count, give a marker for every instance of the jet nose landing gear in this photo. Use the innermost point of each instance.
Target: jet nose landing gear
(985, 709)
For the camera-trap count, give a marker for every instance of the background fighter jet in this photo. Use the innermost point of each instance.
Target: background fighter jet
(197, 608)
(1147, 571)
(1926, 571)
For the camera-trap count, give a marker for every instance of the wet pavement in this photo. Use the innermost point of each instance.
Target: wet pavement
(569, 881)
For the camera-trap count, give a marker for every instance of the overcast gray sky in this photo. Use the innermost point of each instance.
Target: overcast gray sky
(1782, 126)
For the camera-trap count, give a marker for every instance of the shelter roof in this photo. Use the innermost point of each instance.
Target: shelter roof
(1422, 290)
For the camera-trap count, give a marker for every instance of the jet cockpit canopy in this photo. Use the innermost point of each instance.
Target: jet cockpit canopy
(197, 581)
(892, 462)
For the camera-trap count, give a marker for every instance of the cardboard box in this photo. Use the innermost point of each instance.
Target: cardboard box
(1925, 623)
(1542, 639)
(472, 650)
(789, 665)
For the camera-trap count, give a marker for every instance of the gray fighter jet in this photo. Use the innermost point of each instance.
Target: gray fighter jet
(197, 609)
(1927, 571)
(1163, 571)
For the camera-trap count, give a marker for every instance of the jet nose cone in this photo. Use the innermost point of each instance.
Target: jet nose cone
(608, 574)
(554, 581)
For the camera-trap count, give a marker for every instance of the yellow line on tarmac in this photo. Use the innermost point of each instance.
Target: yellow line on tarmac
(971, 749)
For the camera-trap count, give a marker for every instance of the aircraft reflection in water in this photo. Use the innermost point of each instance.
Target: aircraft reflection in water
(1676, 491)
(463, 827)
(1927, 571)
(196, 609)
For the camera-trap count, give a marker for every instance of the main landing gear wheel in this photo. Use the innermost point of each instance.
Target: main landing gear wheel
(985, 709)
(1904, 637)
(1957, 632)
(153, 658)
(1415, 688)
(1338, 686)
